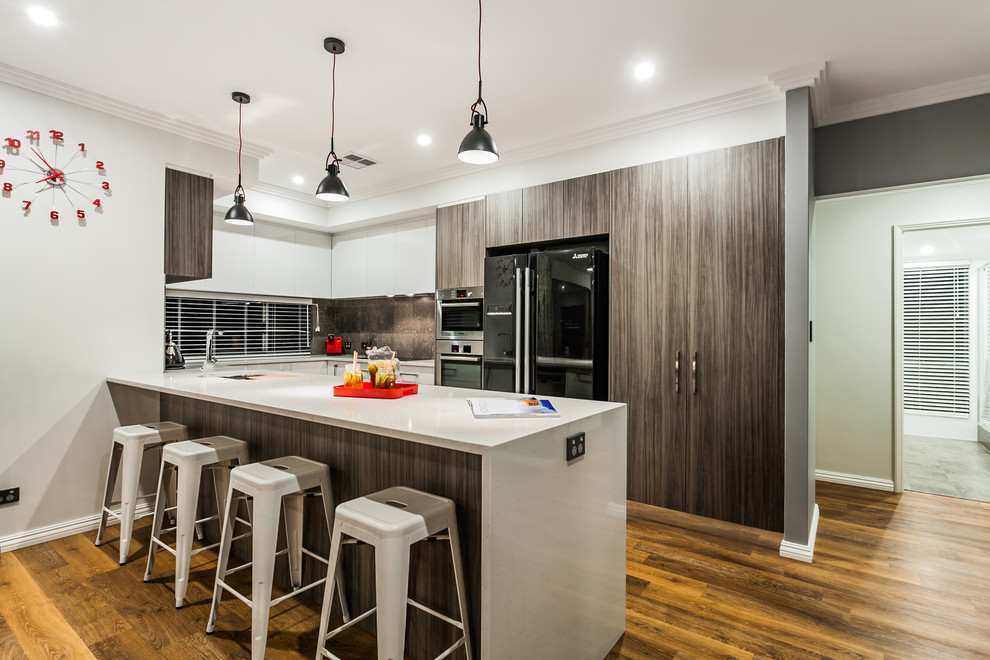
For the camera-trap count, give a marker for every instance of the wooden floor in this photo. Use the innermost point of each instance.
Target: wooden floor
(895, 576)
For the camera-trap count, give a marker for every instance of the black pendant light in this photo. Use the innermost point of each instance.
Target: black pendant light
(478, 147)
(332, 189)
(238, 213)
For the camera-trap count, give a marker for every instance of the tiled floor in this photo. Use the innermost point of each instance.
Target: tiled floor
(958, 468)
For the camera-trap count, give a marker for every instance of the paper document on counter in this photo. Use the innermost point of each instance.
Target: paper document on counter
(529, 407)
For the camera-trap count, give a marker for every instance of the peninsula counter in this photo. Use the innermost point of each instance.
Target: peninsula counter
(543, 537)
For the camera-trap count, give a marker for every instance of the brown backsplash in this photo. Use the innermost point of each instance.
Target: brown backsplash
(407, 325)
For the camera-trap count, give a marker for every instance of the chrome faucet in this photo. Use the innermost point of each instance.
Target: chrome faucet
(211, 359)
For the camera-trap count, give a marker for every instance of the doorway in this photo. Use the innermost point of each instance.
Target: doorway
(942, 344)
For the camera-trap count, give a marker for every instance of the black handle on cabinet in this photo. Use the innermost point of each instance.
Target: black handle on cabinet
(677, 372)
(694, 373)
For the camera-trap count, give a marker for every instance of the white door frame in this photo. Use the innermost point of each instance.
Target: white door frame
(897, 459)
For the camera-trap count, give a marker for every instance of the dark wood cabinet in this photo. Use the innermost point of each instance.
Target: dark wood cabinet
(566, 209)
(461, 245)
(697, 322)
(188, 226)
(503, 218)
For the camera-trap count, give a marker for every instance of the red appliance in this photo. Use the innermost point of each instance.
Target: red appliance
(334, 345)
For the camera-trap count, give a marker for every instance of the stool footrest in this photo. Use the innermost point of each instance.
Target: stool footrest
(235, 592)
(296, 592)
(456, 624)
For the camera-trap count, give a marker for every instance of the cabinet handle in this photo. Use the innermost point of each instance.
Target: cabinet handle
(677, 371)
(694, 372)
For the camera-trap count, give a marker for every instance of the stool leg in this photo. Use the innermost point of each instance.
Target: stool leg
(328, 511)
(333, 582)
(455, 551)
(131, 460)
(292, 506)
(391, 592)
(264, 539)
(156, 524)
(187, 497)
(221, 481)
(223, 554)
(112, 468)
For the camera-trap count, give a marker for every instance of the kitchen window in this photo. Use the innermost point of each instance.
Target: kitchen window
(251, 329)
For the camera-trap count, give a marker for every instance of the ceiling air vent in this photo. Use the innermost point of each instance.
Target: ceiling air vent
(357, 161)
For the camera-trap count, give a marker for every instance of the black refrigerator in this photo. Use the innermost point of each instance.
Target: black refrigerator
(546, 323)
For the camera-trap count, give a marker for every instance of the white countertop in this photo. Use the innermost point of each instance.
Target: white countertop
(313, 358)
(437, 416)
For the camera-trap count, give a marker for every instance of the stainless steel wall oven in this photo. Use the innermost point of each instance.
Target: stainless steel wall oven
(461, 313)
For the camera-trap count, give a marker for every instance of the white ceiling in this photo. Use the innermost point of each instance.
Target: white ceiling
(552, 69)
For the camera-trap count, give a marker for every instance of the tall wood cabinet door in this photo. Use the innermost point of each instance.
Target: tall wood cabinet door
(647, 325)
(188, 226)
(503, 218)
(735, 303)
(461, 245)
(543, 213)
(587, 205)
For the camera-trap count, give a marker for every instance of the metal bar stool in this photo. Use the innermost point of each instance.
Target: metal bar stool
(392, 520)
(217, 454)
(129, 445)
(270, 484)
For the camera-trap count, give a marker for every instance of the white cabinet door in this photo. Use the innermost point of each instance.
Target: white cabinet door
(381, 261)
(314, 272)
(415, 257)
(349, 265)
(274, 256)
(233, 258)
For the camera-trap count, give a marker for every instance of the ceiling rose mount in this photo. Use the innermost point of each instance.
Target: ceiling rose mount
(331, 188)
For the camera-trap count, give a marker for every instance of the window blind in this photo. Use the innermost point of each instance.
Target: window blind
(250, 329)
(985, 357)
(936, 340)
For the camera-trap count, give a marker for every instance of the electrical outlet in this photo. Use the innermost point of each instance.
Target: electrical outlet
(10, 495)
(575, 446)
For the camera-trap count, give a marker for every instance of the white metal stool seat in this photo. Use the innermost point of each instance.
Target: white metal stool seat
(189, 458)
(270, 484)
(129, 445)
(392, 520)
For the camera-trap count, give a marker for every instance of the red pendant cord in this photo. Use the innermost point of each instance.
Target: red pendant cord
(474, 106)
(333, 103)
(240, 142)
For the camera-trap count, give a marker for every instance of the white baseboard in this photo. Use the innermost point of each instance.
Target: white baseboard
(61, 530)
(855, 480)
(798, 551)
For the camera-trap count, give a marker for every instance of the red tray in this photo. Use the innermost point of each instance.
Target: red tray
(369, 392)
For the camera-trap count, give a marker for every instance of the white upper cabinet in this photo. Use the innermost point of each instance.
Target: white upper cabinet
(415, 257)
(381, 261)
(314, 272)
(274, 260)
(233, 258)
(350, 265)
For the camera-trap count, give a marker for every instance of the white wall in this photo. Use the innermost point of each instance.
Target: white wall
(81, 302)
(854, 316)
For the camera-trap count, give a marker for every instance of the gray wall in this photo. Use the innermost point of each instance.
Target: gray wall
(937, 142)
(799, 199)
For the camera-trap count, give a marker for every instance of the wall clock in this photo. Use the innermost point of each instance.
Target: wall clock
(45, 172)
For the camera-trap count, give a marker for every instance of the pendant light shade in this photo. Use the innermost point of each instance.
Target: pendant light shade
(238, 213)
(332, 188)
(478, 147)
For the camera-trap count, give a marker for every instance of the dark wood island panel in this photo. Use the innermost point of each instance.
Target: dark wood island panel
(362, 463)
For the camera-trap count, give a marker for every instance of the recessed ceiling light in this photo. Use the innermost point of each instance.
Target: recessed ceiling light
(298, 180)
(643, 71)
(424, 139)
(927, 249)
(42, 16)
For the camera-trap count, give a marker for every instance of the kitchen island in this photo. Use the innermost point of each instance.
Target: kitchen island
(543, 538)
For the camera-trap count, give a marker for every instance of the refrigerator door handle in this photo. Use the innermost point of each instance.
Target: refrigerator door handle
(527, 348)
(517, 371)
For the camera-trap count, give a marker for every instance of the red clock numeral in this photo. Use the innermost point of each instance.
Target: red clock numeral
(7, 187)
(82, 146)
(13, 143)
(57, 135)
(81, 215)
(106, 185)
(34, 136)
(27, 205)
(99, 165)
(3, 164)
(54, 215)
(97, 203)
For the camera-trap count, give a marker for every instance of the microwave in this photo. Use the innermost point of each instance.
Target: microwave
(461, 313)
